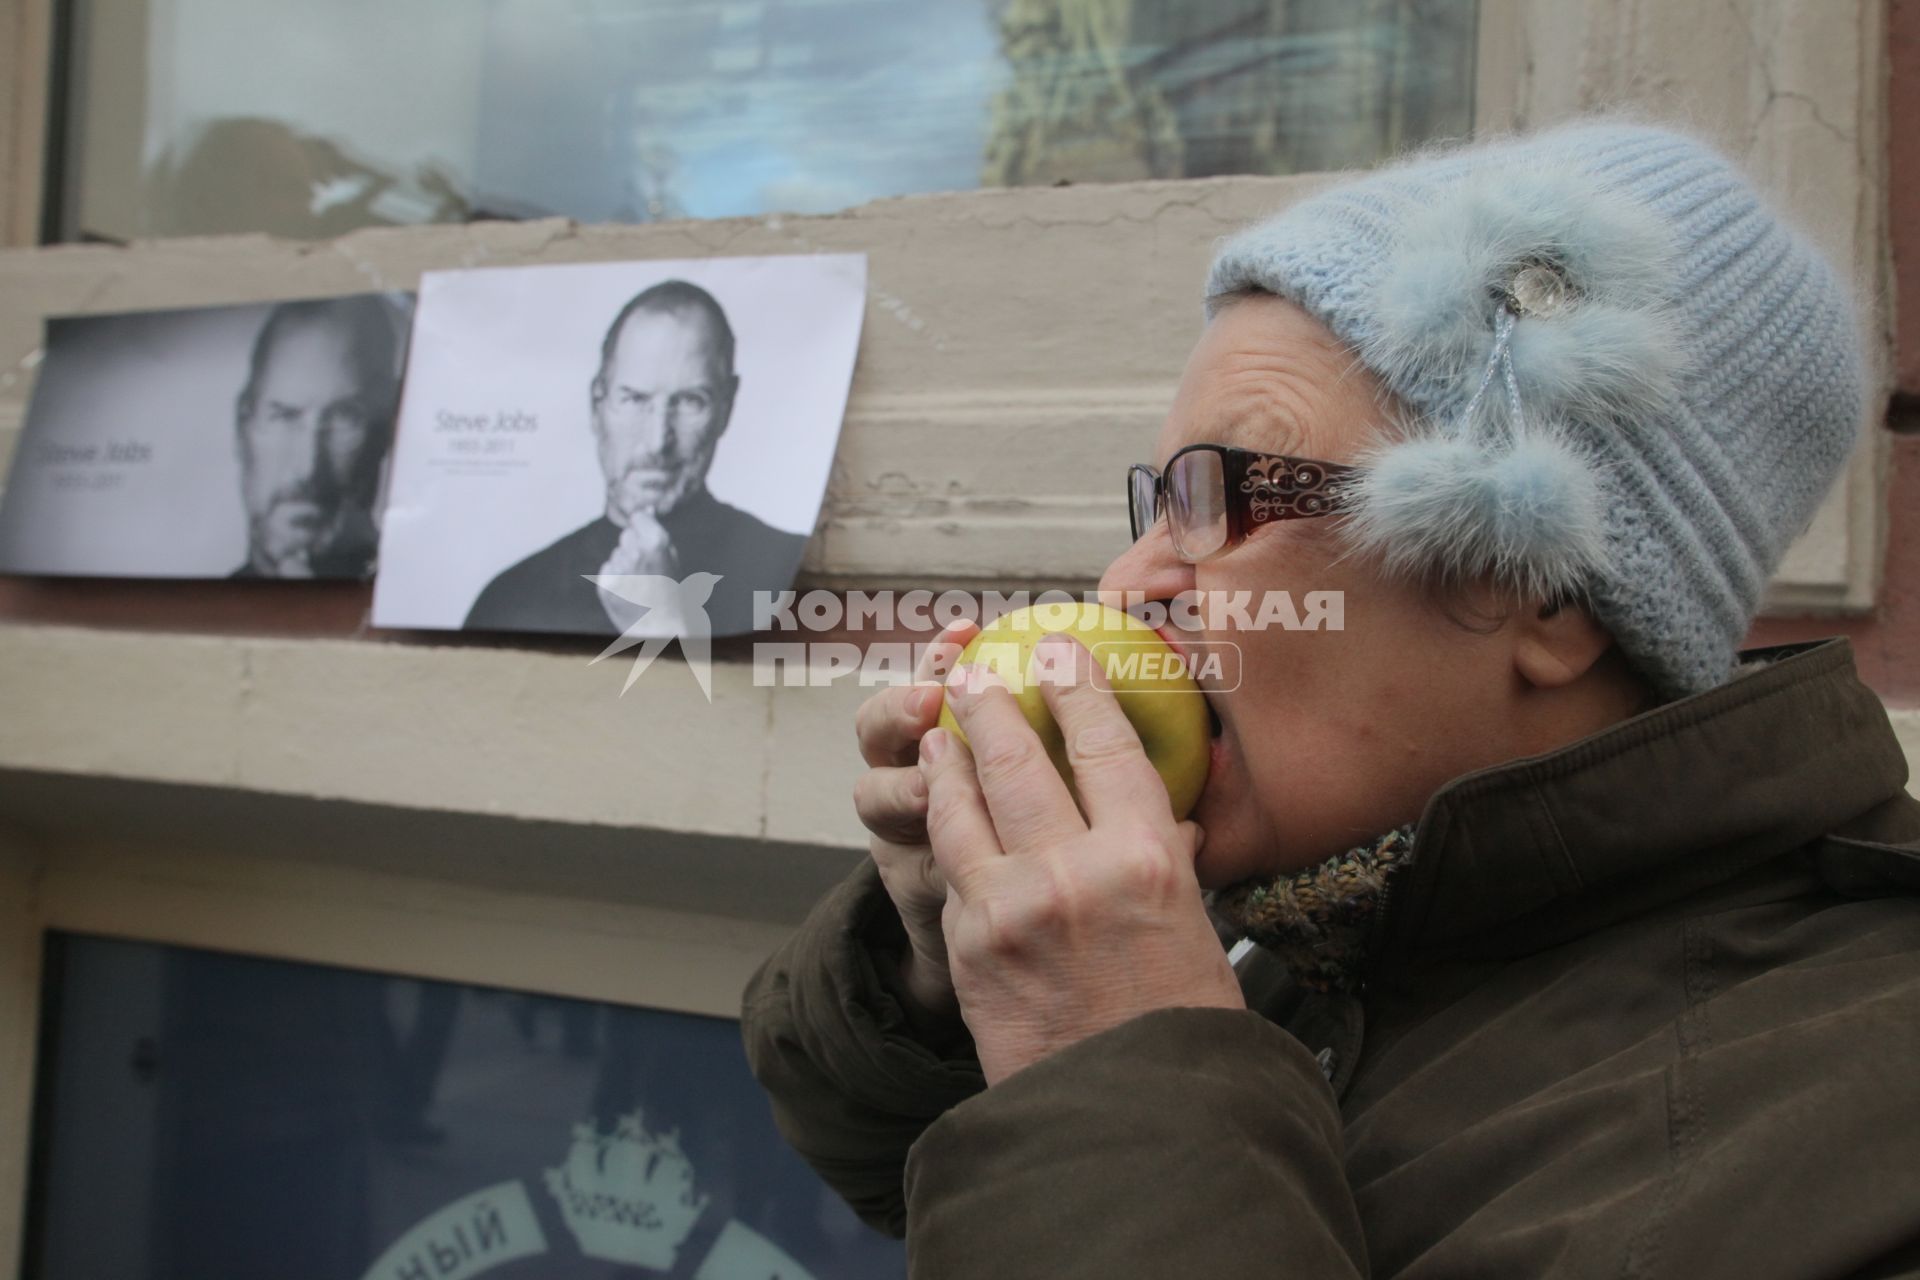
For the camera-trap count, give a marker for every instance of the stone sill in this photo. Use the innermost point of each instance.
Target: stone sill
(394, 755)
(415, 736)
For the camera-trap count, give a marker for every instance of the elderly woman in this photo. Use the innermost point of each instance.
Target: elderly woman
(1581, 944)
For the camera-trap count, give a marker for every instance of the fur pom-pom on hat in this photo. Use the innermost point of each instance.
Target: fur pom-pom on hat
(1607, 351)
(1531, 517)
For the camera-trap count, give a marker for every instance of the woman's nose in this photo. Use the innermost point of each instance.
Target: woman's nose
(1147, 570)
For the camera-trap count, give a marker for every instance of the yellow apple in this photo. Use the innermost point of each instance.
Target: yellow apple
(1151, 682)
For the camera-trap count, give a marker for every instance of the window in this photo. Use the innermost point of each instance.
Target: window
(210, 116)
(235, 1116)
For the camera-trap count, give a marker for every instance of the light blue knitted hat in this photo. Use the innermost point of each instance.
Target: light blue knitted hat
(1631, 382)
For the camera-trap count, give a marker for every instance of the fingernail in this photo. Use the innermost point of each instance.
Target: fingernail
(1055, 657)
(923, 701)
(957, 684)
(933, 745)
(983, 678)
(917, 785)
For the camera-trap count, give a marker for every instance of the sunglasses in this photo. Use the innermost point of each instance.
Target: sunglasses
(1214, 495)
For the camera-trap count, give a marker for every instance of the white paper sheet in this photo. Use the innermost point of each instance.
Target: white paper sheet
(504, 449)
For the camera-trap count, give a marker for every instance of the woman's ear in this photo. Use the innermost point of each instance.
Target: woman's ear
(1556, 644)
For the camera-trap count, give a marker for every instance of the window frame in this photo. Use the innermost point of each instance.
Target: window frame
(286, 909)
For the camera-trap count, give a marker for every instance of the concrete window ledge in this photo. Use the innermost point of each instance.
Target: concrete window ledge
(526, 769)
(524, 736)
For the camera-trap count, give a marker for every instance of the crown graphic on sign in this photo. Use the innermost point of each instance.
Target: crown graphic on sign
(627, 1196)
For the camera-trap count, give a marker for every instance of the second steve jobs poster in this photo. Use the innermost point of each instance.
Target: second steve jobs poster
(245, 441)
(562, 424)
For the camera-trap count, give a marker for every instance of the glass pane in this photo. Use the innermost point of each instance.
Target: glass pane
(232, 1116)
(302, 119)
(1197, 503)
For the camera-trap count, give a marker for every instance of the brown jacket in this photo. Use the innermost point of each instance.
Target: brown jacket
(1646, 1006)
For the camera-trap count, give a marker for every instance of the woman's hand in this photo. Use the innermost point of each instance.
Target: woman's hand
(1059, 926)
(891, 799)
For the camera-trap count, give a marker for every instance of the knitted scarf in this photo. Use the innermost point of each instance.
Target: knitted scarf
(1317, 920)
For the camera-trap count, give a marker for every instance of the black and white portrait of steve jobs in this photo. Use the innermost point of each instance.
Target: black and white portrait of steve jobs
(244, 440)
(314, 425)
(658, 406)
(637, 448)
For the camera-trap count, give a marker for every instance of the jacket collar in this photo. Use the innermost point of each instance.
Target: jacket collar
(1670, 801)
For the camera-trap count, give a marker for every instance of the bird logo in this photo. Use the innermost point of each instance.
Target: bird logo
(652, 609)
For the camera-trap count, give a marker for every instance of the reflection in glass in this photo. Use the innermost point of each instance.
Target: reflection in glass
(232, 1116)
(207, 116)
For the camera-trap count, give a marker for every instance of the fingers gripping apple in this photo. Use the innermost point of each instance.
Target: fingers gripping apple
(1151, 681)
